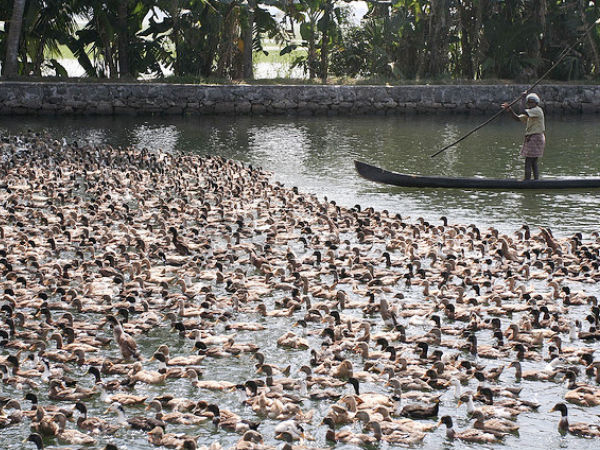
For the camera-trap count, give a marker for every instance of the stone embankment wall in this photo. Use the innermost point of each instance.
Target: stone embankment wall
(111, 98)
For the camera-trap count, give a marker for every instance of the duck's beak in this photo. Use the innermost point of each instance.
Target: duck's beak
(460, 402)
(553, 409)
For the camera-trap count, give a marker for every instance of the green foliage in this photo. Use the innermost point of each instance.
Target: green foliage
(362, 53)
(399, 40)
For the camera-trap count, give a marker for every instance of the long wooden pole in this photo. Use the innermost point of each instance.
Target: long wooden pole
(562, 56)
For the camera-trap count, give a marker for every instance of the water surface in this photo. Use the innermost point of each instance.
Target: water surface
(317, 154)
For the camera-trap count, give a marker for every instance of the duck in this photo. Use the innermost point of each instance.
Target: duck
(486, 395)
(37, 439)
(488, 411)
(213, 385)
(13, 418)
(94, 425)
(532, 375)
(346, 436)
(290, 427)
(57, 391)
(135, 422)
(468, 435)
(393, 436)
(38, 410)
(389, 424)
(70, 436)
(286, 383)
(138, 374)
(168, 360)
(230, 421)
(251, 440)
(409, 384)
(124, 399)
(127, 345)
(111, 385)
(576, 429)
(158, 437)
(370, 400)
(533, 340)
(175, 416)
(182, 404)
(421, 411)
(493, 425)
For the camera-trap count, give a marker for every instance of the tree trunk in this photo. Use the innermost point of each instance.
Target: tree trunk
(590, 43)
(437, 39)
(227, 44)
(175, 12)
(123, 11)
(11, 66)
(39, 58)
(539, 18)
(249, 42)
(480, 43)
(311, 58)
(106, 51)
(467, 38)
(324, 66)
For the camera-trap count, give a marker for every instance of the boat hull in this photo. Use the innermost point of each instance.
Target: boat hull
(379, 175)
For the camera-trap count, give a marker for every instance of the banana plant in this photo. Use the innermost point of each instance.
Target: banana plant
(320, 25)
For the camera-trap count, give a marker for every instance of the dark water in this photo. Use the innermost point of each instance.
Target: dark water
(316, 154)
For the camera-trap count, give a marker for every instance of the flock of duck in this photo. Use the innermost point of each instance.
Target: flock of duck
(190, 302)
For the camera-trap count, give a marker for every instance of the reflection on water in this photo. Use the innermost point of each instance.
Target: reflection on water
(316, 154)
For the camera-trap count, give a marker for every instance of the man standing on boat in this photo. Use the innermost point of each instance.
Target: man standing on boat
(535, 140)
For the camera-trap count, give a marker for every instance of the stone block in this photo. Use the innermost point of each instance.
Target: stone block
(589, 108)
(258, 109)
(224, 107)
(103, 108)
(243, 108)
(175, 109)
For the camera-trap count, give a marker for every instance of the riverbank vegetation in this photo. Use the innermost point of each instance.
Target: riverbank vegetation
(394, 41)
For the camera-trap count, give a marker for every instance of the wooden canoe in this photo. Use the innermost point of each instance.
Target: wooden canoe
(379, 175)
